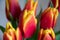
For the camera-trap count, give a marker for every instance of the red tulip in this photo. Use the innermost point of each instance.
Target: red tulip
(27, 20)
(11, 33)
(12, 9)
(56, 4)
(31, 5)
(28, 23)
(48, 18)
(46, 34)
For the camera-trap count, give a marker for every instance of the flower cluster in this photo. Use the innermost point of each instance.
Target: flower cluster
(27, 21)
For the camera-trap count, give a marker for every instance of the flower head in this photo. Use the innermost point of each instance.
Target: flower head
(46, 34)
(11, 34)
(48, 18)
(27, 20)
(12, 9)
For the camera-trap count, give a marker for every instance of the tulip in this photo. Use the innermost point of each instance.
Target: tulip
(46, 34)
(12, 9)
(31, 5)
(48, 18)
(28, 23)
(27, 20)
(11, 34)
(56, 4)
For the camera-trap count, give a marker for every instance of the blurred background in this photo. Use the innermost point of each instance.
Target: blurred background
(41, 3)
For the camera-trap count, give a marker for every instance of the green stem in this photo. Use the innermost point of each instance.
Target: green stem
(57, 33)
(2, 29)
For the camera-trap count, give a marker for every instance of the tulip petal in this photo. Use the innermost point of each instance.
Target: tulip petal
(29, 25)
(47, 37)
(18, 34)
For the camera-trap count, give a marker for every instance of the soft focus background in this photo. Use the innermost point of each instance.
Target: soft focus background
(41, 3)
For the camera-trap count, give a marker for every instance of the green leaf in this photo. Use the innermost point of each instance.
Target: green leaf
(51, 4)
(39, 15)
(14, 23)
(58, 37)
(2, 29)
(57, 33)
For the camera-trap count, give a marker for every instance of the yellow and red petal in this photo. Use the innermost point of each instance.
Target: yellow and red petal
(18, 34)
(47, 37)
(6, 36)
(30, 27)
(29, 24)
(55, 13)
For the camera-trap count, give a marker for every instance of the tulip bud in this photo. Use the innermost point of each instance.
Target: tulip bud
(12, 9)
(48, 18)
(28, 23)
(9, 34)
(46, 34)
(31, 5)
(27, 20)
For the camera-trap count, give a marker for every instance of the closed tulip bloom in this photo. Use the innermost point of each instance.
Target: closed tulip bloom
(11, 34)
(46, 34)
(27, 20)
(56, 4)
(28, 23)
(31, 5)
(12, 9)
(48, 18)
